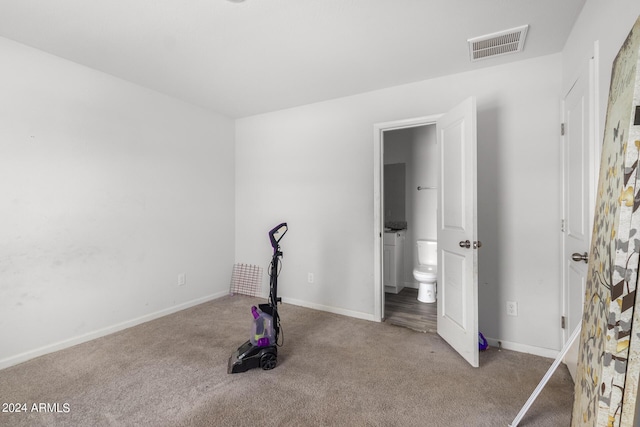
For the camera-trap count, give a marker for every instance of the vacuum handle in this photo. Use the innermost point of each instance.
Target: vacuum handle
(277, 229)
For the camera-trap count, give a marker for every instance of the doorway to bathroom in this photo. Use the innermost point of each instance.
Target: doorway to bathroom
(456, 226)
(410, 174)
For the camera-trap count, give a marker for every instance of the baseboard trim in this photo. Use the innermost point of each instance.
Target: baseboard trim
(523, 348)
(335, 310)
(23, 357)
(70, 342)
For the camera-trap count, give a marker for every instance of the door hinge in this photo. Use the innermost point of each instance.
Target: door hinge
(562, 129)
(564, 322)
(562, 225)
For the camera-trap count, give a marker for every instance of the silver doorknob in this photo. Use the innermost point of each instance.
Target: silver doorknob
(477, 244)
(465, 244)
(580, 257)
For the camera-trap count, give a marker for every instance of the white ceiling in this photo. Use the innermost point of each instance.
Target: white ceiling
(242, 59)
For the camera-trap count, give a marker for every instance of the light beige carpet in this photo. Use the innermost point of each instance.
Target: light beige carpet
(332, 371)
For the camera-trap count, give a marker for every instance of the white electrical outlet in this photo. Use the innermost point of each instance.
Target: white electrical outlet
(310, 277)
(182, 279)
(512, 308)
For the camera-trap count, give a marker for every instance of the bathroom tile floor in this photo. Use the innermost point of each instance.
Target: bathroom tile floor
(404, 309)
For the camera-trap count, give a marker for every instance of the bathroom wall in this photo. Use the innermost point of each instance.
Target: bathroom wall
(417, 148)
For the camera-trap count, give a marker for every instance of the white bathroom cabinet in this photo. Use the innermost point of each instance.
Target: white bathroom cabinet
(393, 260)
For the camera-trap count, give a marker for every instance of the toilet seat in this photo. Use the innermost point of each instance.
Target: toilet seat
(425, 273)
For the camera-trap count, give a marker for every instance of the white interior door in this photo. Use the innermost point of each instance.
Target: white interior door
(457, 231)
(579, 194)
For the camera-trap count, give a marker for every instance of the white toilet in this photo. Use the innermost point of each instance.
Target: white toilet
(427, 269)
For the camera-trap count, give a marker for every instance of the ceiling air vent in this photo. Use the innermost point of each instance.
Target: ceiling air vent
(496, 44)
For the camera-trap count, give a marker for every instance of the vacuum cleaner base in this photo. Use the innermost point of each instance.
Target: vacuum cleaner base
(249, 356)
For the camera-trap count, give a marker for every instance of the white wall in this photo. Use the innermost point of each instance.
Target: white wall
(313, 167)
(109, 191)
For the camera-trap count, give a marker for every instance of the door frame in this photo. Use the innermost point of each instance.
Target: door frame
(378, 201)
